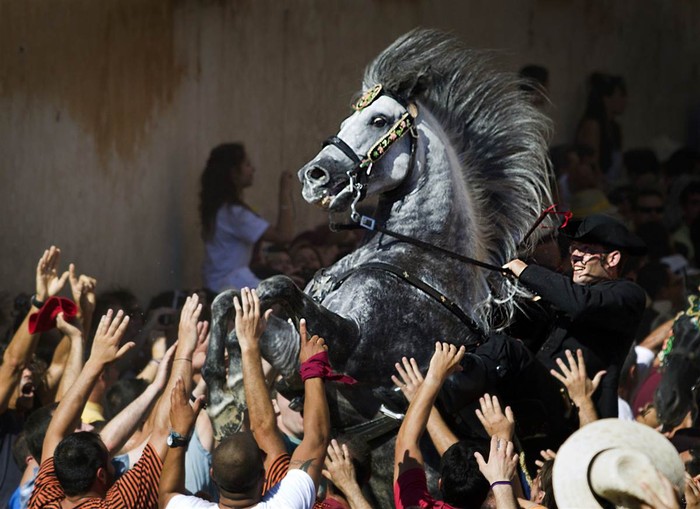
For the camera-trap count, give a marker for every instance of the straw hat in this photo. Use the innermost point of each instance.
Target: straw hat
(607, 459)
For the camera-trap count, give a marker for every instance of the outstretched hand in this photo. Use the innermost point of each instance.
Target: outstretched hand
(250, 325)
(83, 290)
(445, 361)
(575, 378)
(188, 332)
(182, 415)
(67, 328)
(339, 468)
(48, 282)
(501, 463)
(496, 423)
(105, 347)
(309, 347)
(411, 377)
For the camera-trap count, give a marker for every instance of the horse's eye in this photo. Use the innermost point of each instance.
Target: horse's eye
(378, 122)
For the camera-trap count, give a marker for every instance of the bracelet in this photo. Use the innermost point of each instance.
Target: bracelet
(498, 483)
(184, 359)
(36, 302)
(157, 361)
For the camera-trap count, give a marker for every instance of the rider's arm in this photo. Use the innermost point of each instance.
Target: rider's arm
(595, 302)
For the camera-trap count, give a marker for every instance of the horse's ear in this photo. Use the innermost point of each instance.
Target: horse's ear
(420, 83)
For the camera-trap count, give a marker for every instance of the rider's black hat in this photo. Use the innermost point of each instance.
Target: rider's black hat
(602, 229)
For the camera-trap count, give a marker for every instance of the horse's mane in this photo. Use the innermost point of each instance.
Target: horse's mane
(500, 136)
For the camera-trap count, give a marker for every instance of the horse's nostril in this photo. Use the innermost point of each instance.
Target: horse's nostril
(316, 173)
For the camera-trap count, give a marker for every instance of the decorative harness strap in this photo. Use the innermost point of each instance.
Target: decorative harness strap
(439, 297)
(403, 125)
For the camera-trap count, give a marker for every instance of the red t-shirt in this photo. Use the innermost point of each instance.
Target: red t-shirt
(411, 490)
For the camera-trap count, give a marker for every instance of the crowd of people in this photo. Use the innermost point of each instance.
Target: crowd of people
(101, 403)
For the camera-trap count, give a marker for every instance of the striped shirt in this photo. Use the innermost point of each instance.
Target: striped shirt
(276, 472)
(136, 489)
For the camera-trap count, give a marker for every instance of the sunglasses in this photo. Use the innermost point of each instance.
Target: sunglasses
(296, 404)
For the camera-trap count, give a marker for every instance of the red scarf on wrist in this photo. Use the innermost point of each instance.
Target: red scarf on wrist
(318, 366)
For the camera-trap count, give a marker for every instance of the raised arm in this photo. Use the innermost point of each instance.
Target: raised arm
(182, 419)
(311, 452)
(341, 472)
(250, 326)
(118, 430)
(23, 344)
(408, 455)
(189, 331)
(283, 231)
(579, 386)
(105, 349)
(411, 379)
(499, 471)
(74, 361)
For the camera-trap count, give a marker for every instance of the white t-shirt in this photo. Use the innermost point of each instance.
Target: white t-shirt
(228, 252)
(295, 491)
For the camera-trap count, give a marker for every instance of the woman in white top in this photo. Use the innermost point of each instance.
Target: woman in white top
(230, 229)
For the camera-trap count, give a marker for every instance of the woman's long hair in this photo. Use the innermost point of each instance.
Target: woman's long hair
(217, 185)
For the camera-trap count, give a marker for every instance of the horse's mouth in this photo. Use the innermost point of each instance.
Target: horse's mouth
(336, 199)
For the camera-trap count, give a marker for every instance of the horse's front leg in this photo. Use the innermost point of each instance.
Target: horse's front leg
(341, 334)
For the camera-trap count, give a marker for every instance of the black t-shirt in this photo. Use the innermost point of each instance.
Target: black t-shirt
(10, 474)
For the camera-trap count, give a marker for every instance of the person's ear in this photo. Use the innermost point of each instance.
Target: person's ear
(102, 476)
(613, 258)
(540, 496)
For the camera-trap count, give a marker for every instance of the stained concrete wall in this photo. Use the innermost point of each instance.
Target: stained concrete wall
(108, 109)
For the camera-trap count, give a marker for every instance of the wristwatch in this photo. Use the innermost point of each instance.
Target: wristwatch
(175, 439)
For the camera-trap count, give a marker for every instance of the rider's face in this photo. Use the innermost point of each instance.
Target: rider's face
(588, 262)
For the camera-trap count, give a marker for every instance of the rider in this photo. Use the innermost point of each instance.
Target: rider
(596, 310)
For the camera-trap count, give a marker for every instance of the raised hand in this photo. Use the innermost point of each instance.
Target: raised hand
(495, 422)
(48, 282)
(187, 330)
(105, 347)
(250, 325)
(546, 455)
(161, 378)
(575, 378)
(82, 289)
(445, 361)
(339, 468)
(309, 347)
(182, 415)
(502, 461)
(67, 328)
(411, 377)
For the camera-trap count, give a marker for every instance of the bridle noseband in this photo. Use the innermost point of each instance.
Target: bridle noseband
(362, 166)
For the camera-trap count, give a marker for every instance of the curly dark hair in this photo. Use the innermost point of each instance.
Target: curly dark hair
(217, 186)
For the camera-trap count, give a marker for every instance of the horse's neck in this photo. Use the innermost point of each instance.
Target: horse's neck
(437, 207)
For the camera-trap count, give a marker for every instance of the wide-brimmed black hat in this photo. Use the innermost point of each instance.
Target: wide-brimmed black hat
(602, 229)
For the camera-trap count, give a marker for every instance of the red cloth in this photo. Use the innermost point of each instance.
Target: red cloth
(45, 319)
(318, 366)
(645, 393)
(411, 490)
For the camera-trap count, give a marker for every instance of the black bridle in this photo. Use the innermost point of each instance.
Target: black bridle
(359, 173)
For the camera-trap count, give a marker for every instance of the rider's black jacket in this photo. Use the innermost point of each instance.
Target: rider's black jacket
(601, 319)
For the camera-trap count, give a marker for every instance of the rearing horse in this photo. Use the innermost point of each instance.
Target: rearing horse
(457, 157)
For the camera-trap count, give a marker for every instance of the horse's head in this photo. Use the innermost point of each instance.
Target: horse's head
(677, 390)
(362, 159)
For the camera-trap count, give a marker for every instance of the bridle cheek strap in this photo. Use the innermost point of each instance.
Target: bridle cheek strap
(398, 130)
